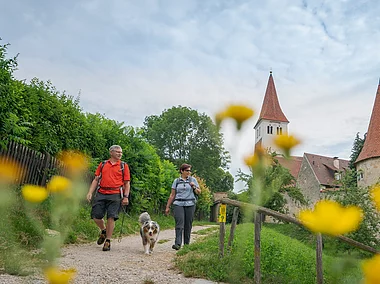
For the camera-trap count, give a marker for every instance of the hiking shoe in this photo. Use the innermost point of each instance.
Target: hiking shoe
(107, 245)
(176, 247)
(102, 237)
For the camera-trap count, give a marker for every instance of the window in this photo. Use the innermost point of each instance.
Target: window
(360, 176)
(270, 129)
(337, 176)
(279, 130)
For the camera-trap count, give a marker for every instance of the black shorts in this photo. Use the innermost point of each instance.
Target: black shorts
(106, 203)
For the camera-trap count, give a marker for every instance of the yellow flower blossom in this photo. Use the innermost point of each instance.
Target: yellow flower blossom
(375, 195)
(34, 193)
(286, 143)
(240, 113)
(58, 184)
(76, 162)
(9, 171)
(260, 156)
(329, 217)
(59, 276)
(371, 268)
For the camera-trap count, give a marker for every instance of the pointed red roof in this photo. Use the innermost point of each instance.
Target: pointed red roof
(371, 147)
(271, 109)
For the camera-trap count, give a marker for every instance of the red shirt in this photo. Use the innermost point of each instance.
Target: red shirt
(112, 179)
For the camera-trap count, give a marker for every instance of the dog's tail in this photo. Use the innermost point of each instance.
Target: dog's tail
(144, 217)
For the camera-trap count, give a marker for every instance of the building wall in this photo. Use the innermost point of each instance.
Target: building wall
(371, 171)
(308, 183)
(261, 132)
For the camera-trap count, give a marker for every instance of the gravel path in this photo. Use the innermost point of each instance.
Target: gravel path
(125, 263)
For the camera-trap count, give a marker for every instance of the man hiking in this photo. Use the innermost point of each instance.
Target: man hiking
(112, 186)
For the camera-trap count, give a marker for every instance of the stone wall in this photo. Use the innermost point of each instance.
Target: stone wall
(371, 171)
(308, 183)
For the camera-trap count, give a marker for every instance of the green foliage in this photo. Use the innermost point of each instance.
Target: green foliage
(283, 260)
(276, 181)
(182, 135)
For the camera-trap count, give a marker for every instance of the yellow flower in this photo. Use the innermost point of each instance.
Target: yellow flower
(76, 162)
(58, 184)
(59, 276)
(34, 193)
(260, 155)
(371, 268)
(9, 171)
(329, 217)
(286, 143)
(375, 195)
(239, 113)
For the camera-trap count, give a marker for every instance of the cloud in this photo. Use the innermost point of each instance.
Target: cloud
(131, 59)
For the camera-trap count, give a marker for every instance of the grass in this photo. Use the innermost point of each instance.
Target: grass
(283, 259)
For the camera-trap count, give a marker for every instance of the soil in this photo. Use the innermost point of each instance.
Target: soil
(124, 263)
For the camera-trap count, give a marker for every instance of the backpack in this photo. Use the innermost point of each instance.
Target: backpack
(177, 182)
(122, 166)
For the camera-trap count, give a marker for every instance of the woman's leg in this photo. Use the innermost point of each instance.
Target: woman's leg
(179, 217)
(188, 223)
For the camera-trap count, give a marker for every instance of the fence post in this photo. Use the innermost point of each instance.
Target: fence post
(233, 226)
(257, 272)
(319, 259)
(222, 232)
(45, 168)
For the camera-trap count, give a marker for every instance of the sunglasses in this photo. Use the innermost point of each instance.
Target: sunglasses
(187, 170)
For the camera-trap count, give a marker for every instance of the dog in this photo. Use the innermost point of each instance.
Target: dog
(149, 232)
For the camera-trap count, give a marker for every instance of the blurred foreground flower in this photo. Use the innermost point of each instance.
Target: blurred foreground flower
(286, 143)
(9, 171)
(76, 162)
(59, 184)
(371, 268)
(260, 156)
(375, 195)
(239, 113)
(59, 276)
(34, 193)
(329, 217)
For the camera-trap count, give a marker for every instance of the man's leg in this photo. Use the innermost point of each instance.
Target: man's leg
(97, 214)
(100, 224)
(110, 227)
(179, 217)
(188, 223)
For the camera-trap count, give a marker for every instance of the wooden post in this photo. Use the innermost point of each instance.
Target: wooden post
(233, 226)
(319, 259)
(222, 232)
(257, 272)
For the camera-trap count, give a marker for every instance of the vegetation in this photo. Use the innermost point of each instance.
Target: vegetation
(284, 259)
(182, 135)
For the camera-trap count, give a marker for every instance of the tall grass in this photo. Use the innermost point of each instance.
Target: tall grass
(283, 260)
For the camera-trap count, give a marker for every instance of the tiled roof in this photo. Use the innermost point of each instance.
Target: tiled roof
(271, 109)
(293, 164)
(371, 148)
(324, 168)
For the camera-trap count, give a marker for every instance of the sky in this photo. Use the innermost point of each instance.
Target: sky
(131, 59)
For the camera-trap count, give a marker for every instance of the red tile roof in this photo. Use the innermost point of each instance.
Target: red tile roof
(271, 109)
(371, 148)
(293, 164)
(324, 168)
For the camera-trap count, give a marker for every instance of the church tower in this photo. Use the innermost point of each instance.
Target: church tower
(272, 120)
(368, 162)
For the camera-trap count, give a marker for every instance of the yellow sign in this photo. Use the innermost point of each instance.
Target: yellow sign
(222, 213)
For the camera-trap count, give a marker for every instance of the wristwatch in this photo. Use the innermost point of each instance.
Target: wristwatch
(126, 196)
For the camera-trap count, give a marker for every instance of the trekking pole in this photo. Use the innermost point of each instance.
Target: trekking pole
(122, 222)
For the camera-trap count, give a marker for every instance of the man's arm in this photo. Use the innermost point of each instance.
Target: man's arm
(126, 190)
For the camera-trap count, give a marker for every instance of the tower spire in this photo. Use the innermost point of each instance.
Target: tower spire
(371, 147)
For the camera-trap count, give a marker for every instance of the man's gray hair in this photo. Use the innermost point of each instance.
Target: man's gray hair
(114, 147)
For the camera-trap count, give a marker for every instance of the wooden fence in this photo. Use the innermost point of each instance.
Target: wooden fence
(260, 212)
(34, 167)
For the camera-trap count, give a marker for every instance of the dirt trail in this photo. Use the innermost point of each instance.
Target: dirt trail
(125, 263)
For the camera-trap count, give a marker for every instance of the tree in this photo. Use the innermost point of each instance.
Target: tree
(182, 135)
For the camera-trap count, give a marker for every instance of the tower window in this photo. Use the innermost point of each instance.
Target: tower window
(270, 129)
(279, 130)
